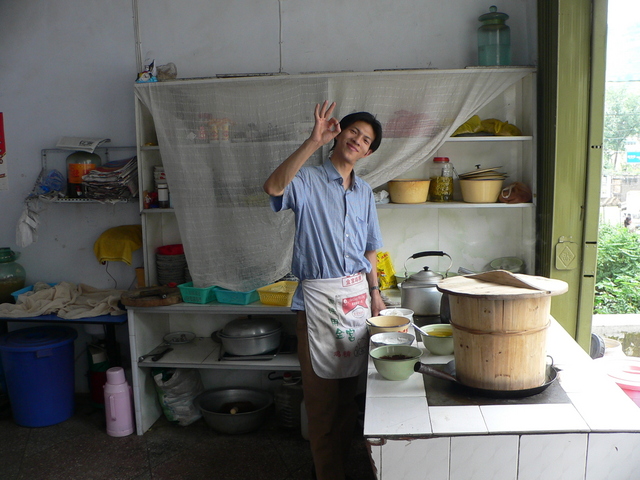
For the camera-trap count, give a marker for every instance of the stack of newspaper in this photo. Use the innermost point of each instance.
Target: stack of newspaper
(113, 180)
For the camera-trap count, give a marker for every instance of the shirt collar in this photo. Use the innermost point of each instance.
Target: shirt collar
(333, 174)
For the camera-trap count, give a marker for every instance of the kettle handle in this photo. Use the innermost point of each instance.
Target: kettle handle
(429, 253)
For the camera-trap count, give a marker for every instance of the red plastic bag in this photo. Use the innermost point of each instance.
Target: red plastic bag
(517, 192)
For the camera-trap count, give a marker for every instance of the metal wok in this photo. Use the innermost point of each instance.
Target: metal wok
(449, 373)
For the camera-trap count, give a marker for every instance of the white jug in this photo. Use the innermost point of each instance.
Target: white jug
(118, 405)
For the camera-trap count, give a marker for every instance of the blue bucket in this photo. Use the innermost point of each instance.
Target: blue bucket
(39, 372)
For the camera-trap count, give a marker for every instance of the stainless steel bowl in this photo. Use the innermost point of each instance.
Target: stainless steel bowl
(253, 407)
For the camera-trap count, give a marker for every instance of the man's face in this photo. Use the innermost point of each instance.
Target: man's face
(354, 142)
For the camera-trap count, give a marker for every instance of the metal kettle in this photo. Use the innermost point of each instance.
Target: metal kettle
(419, 292)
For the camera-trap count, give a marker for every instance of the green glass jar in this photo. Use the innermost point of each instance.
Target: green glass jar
(494, 39)
(12, 274)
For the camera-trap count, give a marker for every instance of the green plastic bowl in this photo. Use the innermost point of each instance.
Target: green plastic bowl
(438, 345)
(395, 369)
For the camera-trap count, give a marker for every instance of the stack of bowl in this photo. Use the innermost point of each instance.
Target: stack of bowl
(481, 185)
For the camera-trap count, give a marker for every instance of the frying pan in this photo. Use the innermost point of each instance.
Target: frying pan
(449, 373)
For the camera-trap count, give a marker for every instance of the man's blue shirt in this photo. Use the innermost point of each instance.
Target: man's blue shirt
(334, 227)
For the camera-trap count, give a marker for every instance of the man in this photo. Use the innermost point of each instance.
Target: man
(336, 238)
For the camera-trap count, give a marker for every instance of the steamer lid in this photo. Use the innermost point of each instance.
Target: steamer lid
(502, 285)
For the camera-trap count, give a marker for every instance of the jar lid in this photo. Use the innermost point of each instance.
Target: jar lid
(8, 255)
(493, 16)
(251, 327)
(441, 159)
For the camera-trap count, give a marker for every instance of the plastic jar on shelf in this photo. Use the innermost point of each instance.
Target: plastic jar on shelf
(441, 176)
(78, 165)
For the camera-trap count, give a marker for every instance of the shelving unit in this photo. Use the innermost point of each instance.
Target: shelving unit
(429, 225)
(148, 326)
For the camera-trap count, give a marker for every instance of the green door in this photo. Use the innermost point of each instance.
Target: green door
(572, 41)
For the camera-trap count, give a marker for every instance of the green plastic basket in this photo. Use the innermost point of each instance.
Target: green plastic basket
(236, 298)
(191, 294)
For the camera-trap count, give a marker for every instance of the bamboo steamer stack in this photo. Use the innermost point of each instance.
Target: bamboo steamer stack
(500, 322)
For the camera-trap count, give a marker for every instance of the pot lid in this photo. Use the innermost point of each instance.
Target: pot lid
(251, 327)
(424, 278)
(502, 285)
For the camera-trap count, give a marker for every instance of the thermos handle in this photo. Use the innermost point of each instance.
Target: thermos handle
(112, 407)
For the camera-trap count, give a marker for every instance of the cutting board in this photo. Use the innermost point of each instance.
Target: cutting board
(151, 297)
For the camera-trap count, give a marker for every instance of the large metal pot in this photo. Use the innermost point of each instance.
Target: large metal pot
(247, 336)
(234, 410)
(419, 292)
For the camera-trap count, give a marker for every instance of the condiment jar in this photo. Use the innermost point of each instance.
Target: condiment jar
(12, 274)
(441, 176)
(163, 195)
(78, 165)
(494, 39)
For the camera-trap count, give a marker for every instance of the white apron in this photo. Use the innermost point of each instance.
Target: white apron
(337, 310)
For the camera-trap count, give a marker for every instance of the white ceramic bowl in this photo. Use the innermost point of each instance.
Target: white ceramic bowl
(387, 323)
(392, 338)
(398, 312)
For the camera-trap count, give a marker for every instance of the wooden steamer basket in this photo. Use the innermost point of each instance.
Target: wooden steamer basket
(500, 322)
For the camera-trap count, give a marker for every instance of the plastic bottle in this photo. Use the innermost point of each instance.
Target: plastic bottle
(494, 39)
(118, 405)
(287, 399)
(441, 176)
(78, 165)
(12, 274)
(163, 195)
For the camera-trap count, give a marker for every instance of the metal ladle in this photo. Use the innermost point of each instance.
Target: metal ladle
(419, 329)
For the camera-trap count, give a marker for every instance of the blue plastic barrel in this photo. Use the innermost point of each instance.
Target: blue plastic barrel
(38, 365)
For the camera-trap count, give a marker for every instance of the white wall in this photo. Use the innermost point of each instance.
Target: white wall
(67, 69)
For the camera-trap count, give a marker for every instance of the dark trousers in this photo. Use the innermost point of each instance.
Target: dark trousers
(331, 410)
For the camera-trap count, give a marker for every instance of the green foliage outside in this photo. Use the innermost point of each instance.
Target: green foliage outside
(618, 276)
(621, 123)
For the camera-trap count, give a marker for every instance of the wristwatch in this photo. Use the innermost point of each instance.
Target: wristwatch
(371, 289)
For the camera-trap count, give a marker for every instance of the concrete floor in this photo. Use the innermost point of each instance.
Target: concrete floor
(79, 448)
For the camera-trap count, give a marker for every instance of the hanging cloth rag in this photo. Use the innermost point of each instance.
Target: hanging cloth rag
(117, 244)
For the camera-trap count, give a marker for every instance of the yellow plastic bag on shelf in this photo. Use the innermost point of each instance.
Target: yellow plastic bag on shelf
(500, 128)
(473, 125)
(386, 272)
(490, 126)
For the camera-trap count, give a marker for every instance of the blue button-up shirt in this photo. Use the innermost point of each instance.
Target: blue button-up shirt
(334, 227)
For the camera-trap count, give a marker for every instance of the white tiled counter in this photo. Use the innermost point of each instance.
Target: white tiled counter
(593, 435)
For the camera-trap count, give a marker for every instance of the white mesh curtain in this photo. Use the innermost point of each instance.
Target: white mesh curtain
(230, 235)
